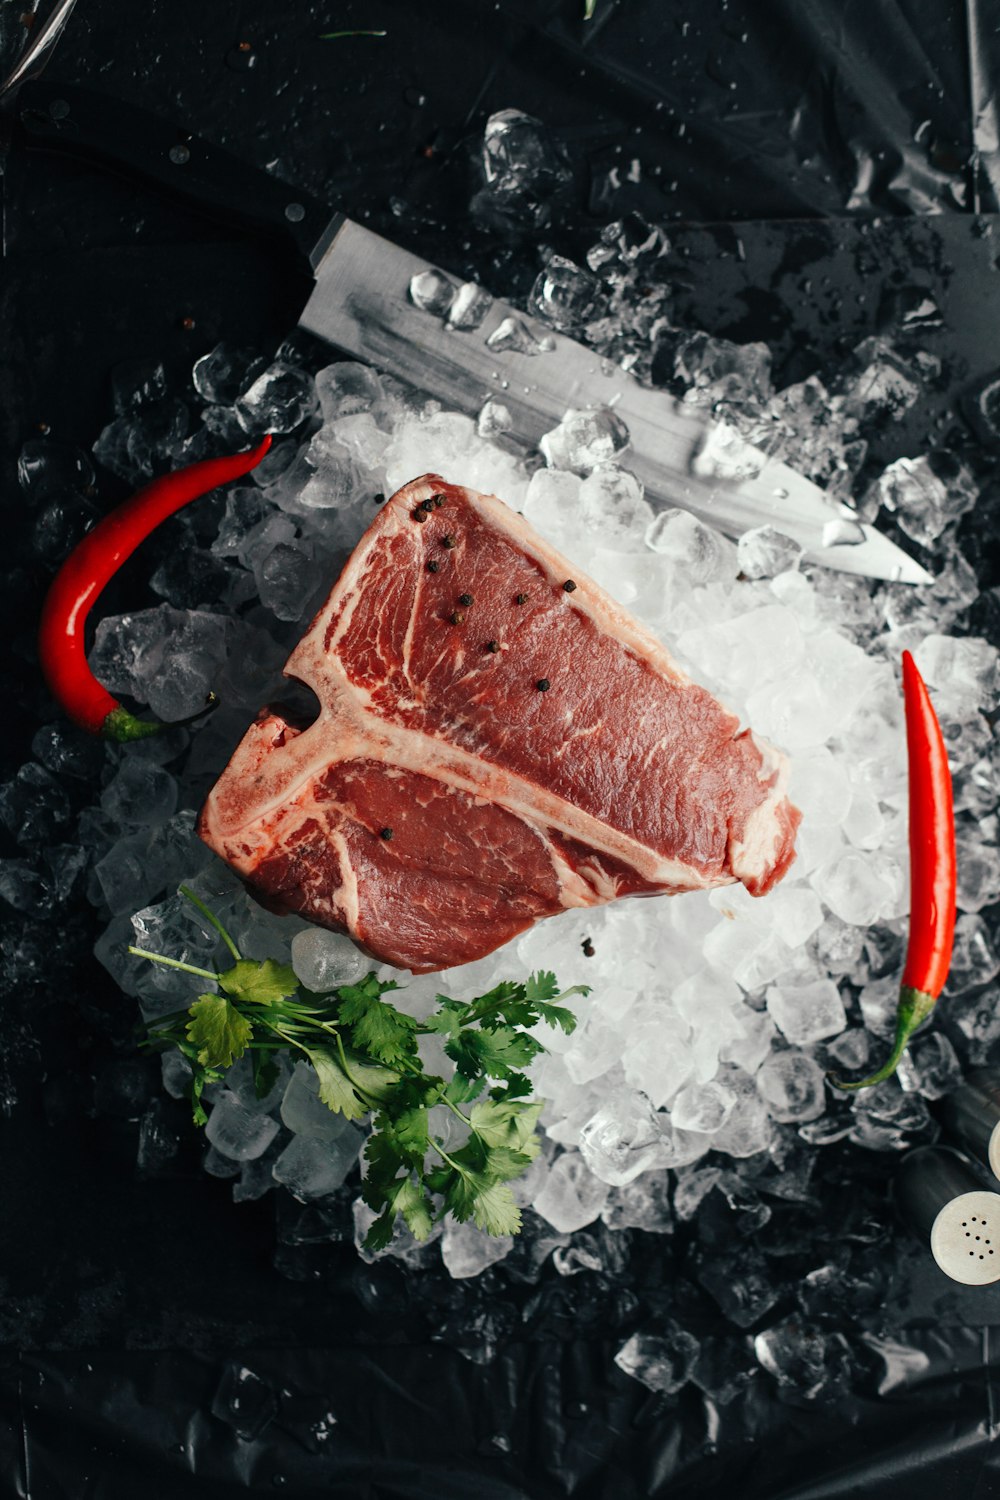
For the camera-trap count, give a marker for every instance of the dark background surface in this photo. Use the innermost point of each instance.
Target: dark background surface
(122, 1299)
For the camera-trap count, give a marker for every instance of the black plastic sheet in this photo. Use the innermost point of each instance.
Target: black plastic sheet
(813, 157)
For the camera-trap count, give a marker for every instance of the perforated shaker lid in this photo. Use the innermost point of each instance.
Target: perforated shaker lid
(965, 1238)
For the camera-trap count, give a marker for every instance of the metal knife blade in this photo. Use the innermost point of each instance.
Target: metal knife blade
(359, 303)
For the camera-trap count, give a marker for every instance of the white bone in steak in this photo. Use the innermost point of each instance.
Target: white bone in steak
(493, 745)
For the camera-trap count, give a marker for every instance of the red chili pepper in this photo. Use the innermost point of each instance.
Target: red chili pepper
(90, 566)
(933, 874)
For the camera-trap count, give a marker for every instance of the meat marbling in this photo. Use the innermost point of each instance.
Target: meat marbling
(444, 799)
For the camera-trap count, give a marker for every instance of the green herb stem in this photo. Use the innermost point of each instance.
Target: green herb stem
(210, 916)
(174, 963)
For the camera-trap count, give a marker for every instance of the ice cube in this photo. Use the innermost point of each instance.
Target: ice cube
(585, 440)
(807, 1012)
(886, 382)
(930, 1067)
(748, 1128)
(791, 1085)
(878, 1001)
(310, 1167)
(494, 420)
(324, 960)
(974, 960)
(466, 1250)
(978, 870)
(346, 389)
(927, 493)
(719, 370)
(572, 1196)
(256, 1178)
(765, 551)
(279, 400)
(34, 807)
(612, 507)
(851, 1049)
(741, 1285)
(724, 454)
(432, 291)
(698, 552)
(244, 1401)
(177, 1074)
(304, 1112)
(513, 334)
(692, 1189)
(860, 887)
(472, 303)
(236, 1132)
(621, 1140)
(225, 372)
(703, 1107)
(140, 793)
(977, 1017)
(753, 1042)
(964, 669)
(663, 1362)
(797, 1356)
(521, 157)
(657, 1056)
(553, 505)
(564, 295)
(837, 945)
(642, 1204)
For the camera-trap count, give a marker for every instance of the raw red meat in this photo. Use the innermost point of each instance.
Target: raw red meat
(444, 799)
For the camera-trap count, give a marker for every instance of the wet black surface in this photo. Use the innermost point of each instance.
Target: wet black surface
(122, 1299)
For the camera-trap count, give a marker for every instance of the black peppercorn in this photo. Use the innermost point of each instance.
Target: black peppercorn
(379, 498)
(448, 541)
(386, 834)
(521, 599)
(420, 515)
(569, 585)
(465, 599)
(433, 566)
(492, 646)
(458, 618)
(543, 684)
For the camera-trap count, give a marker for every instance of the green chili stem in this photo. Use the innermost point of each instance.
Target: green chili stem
(914, 1008)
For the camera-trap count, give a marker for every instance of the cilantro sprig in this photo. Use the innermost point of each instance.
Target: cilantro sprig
(365, 1053)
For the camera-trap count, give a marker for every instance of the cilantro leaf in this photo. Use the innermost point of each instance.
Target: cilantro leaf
(541, 986)
(376, 1026)
(496, 1052)
(557, 1015)
(218, 1031)
(380, 1234)
(335, 1088)
(490, 1204)
(412, 1202)
(447, 1019)
(202, 1076)
(259, 983)
(495, 1210)
(507, 1124)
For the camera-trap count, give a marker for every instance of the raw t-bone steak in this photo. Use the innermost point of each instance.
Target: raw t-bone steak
(494, 744)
